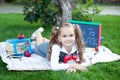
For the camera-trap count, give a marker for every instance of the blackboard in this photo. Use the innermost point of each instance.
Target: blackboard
(91, 32)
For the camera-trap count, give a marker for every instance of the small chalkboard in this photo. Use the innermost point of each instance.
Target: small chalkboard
(91, 32)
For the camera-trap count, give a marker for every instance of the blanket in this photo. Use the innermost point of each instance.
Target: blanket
(36, 62)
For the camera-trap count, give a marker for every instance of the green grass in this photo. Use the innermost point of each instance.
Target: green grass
(13, 24)
(110, 31)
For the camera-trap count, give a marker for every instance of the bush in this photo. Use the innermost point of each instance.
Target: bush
(85, 11)
(39, 11)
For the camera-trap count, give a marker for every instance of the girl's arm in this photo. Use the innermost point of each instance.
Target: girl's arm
(55, 65)
(77, 66)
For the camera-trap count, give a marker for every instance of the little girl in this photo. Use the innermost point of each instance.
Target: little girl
(65, 48)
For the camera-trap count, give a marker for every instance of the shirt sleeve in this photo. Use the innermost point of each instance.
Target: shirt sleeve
(55, 65)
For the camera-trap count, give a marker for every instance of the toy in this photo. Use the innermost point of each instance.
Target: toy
(20, 46)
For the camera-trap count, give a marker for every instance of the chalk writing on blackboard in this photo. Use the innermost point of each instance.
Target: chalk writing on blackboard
(91, 32)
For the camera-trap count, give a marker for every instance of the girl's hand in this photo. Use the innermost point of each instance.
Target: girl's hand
(78, 67)
(71, 70)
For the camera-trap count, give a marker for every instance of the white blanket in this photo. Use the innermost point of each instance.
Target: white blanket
(36, 62)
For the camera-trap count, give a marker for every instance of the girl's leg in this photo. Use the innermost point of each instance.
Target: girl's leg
(45, 39)
(40, 39)
(40, 48)
(33, 36)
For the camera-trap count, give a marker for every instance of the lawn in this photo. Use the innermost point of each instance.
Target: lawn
(13, 24)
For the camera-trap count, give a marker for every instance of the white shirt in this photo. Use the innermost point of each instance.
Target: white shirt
(55, 65)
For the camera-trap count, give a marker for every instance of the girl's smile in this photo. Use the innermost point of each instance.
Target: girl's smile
(67, 37)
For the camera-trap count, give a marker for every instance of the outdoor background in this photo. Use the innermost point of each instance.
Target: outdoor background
(12, 23)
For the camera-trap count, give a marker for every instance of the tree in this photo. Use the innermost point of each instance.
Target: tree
(65, 6)
(34, 9)
(69, 10)
(55, 11)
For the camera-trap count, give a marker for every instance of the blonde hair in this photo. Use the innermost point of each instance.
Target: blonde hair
(78, 39)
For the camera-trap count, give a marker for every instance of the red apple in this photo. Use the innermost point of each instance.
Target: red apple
(21, 36)
(27, 54)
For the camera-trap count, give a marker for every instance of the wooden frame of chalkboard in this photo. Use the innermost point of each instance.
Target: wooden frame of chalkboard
(91, 32)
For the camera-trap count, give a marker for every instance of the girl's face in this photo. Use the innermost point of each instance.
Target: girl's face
(67, 36)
